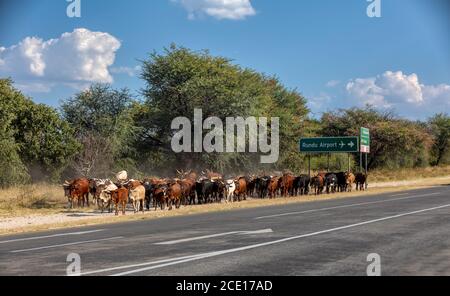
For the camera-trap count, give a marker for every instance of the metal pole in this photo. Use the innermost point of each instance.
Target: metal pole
(328, 163)
(309, 165)
(366, 173)
(348, 162)
(360, 162)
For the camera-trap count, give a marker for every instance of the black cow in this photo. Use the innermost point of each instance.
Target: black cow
(262, 185)
(360, 180)
(251, 186)
(218, 190)
(199, 191)
(341, 182)
(331, 182)
(207, 190)
(301, 185)
(148, 194)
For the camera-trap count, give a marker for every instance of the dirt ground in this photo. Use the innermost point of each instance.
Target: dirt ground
(45, 220)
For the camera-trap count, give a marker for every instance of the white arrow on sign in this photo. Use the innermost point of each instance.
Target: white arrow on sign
(351, 144)
(173, 242)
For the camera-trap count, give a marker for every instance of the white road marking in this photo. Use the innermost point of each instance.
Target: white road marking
(173, 242)
(136, 265)
(50, 236)
(217, 253)
(400, 194)
(68, 244)
(344, 206)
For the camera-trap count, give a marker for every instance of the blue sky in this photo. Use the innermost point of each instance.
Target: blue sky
(329, 50)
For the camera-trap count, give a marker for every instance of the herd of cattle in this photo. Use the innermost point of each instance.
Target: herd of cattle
(189, 188)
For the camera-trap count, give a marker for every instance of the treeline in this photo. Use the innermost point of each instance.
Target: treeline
(103, 130)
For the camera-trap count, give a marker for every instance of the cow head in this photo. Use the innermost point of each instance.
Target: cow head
(230, 184)
(161, 190)
(349, 178)
(67, 186)
(105, 195)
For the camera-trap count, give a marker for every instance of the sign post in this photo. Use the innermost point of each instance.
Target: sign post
(329, 145)
(365, 146)
(365, 140)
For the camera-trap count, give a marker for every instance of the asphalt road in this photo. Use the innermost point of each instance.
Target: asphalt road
(410, 231)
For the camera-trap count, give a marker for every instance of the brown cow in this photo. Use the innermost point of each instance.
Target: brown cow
(241, 188)
(349, 180)
(160, 195)
(318, 183)
(174, 194)
(287, 184)
(78, 191)
(188, 183)
(273, 187)
(120, 197)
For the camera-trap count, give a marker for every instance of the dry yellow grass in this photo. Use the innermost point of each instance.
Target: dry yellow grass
(408, 174)
(27, 199)
(35, 199)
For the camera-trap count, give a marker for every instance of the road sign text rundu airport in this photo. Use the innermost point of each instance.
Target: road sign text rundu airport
(329, 145)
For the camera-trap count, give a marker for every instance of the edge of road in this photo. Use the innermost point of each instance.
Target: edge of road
(89, 220)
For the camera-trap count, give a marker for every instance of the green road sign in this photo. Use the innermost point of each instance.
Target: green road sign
(329, 145)
(365, 140)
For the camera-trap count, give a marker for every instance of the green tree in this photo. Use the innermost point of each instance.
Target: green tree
(35, 141)
(102, 120)
(440, 129)
(180, 80)
(13, 171)
(395, 142)
(46, 142)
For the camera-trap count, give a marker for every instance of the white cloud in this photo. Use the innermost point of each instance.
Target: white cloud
(74, 58)
(333, 83)
(130, 71)
(35, 87)
(400, 91)
(220, 9)
(366, 91)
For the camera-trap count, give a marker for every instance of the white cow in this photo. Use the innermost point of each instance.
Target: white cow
(105, 195)
(137, 197)
(230, 187)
